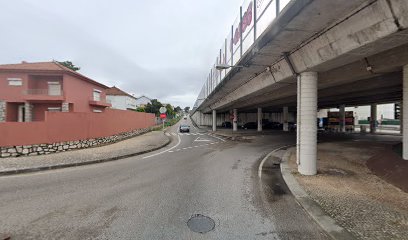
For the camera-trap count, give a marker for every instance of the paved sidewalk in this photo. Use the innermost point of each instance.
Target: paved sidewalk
(134, 146)
(361, 202)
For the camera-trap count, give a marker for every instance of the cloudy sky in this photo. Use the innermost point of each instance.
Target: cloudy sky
(162, 49)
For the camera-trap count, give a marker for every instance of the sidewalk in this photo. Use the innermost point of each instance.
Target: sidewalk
(148, 142)
(345, 188)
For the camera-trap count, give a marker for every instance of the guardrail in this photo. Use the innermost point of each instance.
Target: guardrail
(254, 18)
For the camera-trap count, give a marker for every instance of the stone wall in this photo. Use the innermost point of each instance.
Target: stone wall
(41, 149)
(2, 111)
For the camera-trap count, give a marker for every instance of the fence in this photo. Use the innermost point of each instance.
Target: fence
(254, 17)
(62, 127)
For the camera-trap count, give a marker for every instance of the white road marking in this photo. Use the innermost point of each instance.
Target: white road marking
(179, 141)
(266, 157)
(201, 140)
(168, 134)
(174, 134)
(217, 138)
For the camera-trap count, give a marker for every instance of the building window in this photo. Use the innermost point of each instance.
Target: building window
(54, 109)
(97, 110)
(15, 82)
(96, 95)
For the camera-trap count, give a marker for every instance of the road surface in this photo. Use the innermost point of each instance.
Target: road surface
(153, 196)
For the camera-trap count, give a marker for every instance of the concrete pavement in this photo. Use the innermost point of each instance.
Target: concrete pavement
(153, 196)
(346, 196)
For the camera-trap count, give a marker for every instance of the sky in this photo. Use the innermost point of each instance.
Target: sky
(163, 49)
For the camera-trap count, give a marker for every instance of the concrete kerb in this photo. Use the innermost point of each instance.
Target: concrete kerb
(46, 168)
(326, 222)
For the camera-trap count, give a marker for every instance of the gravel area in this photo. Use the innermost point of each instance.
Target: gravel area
(348, 191)
(145, 142)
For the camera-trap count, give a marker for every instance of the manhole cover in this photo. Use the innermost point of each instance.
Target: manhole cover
(200, 224)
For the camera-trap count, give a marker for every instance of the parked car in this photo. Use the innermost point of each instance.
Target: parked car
(226, 124)
(292, 126)
(250, 125)
(274, 125)
(184, 128)
(185, 117)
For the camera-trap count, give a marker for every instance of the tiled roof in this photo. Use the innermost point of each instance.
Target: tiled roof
(46, 66)
(143, 96)
(114, 91)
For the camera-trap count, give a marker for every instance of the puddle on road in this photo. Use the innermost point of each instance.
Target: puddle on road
(273, 184)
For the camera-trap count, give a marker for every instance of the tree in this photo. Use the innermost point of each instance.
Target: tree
(69, 65)
(140, 109)
(186, 109)
(153, 107)
(178, 109)
(170, 111)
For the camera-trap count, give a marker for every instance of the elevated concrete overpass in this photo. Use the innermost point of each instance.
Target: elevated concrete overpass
(313, 54)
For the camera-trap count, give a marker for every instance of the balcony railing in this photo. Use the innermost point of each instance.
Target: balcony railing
(42, 92)
(99, 102)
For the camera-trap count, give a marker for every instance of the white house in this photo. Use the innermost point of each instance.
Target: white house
(120, 99)
(143, 101)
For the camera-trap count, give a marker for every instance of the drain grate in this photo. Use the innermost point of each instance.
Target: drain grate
(200, 224)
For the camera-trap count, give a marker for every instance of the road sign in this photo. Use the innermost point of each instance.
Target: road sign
(163, 110)
(163, 116)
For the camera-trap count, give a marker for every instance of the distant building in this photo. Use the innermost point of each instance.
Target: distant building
(120, 99)
(142, 101)
(28, 90)
(384, 111)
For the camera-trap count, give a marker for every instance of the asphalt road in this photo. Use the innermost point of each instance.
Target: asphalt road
(153, 196)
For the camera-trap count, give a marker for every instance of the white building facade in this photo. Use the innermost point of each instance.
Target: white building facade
(120, 99)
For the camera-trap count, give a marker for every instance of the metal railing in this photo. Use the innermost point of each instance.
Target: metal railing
(42, 92)
(255, 16)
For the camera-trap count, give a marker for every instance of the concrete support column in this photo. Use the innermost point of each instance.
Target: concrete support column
(214, 120)
(298, 121)
(308, 128)
(3, 111)
(259, 119)
(235, 120)
(28, 112)
(401, 118)
(404, 108)
(65, 107)
(342, 119)
(373, 118)
(285, 119)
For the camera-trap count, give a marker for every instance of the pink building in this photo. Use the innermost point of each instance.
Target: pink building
(28, 90)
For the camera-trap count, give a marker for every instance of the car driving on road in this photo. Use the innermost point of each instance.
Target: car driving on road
(184, 128)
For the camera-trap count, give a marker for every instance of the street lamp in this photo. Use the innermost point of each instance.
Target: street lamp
(224, 66)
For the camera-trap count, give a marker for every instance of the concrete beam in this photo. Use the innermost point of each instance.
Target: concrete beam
(369, 32)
